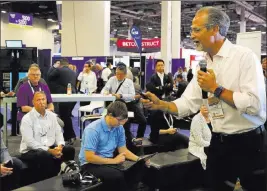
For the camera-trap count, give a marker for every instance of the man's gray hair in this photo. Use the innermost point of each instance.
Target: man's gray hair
(118, 109)
(33, 67)
(122, 67)
(217, 17)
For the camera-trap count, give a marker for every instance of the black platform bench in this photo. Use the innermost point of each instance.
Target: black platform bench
(55, 184)
(179, 170)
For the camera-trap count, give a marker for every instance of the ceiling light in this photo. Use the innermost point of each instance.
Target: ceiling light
(149, 28)
(188, 36)
(253, 28)
(263, 32)
(124, 23)
(114, 29)
(42, 6)
(156, 37)
(3, 11)
(37, 13)
(51, 20)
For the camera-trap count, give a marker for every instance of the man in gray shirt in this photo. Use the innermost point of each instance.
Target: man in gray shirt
(10, 168)
(123, 88)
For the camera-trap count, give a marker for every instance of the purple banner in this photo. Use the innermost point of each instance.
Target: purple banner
(20, 19)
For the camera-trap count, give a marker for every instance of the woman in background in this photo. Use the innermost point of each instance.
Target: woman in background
(200, 135)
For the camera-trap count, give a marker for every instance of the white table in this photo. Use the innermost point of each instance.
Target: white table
(55, 98)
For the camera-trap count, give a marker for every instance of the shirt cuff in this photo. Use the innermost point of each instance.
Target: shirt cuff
(182, 108)
(44, 148)
(241, 102)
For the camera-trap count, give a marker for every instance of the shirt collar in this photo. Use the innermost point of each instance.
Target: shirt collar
(224, 50)
(37, 114)
(105, 125)
(160, 75)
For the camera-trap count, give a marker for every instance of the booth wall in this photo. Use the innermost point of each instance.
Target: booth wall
(39, 35)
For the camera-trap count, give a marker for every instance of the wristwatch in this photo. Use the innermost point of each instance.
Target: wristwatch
(218, 91)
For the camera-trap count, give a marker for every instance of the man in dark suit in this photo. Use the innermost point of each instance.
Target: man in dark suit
(181, 86)
(160, 83)
(61, 76)
(52, 86)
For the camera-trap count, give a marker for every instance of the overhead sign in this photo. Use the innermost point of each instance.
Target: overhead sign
(20, 19)
(148, 45)
(137, 36)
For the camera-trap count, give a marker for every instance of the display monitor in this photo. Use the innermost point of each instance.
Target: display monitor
(27, 57)
(137, 64)
(14, 43)
(124, 59)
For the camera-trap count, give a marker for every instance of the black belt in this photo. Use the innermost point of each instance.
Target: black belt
(224, 137)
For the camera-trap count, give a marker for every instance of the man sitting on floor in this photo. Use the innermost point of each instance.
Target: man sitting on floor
(99, 141)
(10, 168)
(42, 145)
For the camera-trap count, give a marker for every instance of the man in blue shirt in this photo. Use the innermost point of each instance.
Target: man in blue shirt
(99, 141)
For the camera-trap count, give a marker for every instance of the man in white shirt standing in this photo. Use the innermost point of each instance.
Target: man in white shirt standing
(237, 100)
(42, 146)
(88, 81)
(106, 72)
(87, 78)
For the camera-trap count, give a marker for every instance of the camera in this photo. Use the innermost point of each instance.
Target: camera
(73, 178)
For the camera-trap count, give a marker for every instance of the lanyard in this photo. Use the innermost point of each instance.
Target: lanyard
(32, 87)
(169, 122)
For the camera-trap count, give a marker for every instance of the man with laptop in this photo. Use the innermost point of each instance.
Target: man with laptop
(99, 141)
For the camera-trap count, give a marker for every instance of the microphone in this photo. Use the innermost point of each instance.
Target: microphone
(203, 67)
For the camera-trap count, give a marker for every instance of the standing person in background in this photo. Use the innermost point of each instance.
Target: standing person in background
(88, 82)
(97, 69)
(106, 72)
(182, 84)
(62, 76)
(237, 103)
(190, 75)
(51, 85)
(160, 83)
(184, 74)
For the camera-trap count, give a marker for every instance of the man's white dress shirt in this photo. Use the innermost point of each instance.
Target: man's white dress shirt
(237, 69)
(40, 132)
(105, 74)
(88, 80)
(126, 90)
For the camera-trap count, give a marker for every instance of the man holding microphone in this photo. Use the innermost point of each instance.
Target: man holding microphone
(237, 103)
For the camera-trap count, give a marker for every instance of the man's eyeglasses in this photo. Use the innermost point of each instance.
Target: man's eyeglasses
(198, 29)
(35, 74)
(121, 120)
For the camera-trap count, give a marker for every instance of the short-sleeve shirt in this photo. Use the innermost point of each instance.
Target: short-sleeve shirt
(25, 96)
(97, 137)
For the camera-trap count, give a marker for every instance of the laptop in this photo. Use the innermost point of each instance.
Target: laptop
(129, 164)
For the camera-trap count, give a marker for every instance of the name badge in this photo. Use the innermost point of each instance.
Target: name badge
(215, 108)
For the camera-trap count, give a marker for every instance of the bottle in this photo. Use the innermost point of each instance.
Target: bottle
(69, 89)
(86, 91)
(238, 186)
